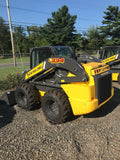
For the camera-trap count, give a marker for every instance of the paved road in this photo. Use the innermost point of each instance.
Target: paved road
(11, 64)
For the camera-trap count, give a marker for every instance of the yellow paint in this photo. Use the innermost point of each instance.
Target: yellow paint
(62, 80)
(112, 58)
(104, 73)
(79, 91)
(93, 64)
(117, 60)
(48, 70)
(71, 75)
(100, 70)
(42, 93)
(80, 107)
(82, 97)
(115, 76)
(88, 68)
(34, 71)
(95, 67)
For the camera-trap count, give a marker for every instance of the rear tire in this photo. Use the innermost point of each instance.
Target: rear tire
(56, 106)
(27, 96)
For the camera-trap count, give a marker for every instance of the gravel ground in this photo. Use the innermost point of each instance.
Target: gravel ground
(26, 135)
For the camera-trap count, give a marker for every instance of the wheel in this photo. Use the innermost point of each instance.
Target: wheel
(27, 96)
(56, 106)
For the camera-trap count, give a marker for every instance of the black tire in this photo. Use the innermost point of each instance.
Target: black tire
(56, 106)
(27, 96)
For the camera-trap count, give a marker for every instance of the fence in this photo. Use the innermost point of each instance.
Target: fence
(90, 52)
(22, 59)
(9, 55)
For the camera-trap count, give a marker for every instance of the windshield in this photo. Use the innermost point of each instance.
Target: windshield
(63, 51)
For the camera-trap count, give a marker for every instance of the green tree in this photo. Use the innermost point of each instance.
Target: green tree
(5, 43)
(19, 35)
(95, 39)
(60, 28)
(111, 25)
(33, 33)
(26, 45)
(35, 38)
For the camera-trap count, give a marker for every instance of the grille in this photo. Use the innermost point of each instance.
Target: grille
(103, 86)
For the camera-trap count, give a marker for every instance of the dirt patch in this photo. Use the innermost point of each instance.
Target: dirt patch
(27, 135)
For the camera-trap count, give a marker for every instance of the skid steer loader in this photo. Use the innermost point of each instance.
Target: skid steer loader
(111, 56)
(62, 86)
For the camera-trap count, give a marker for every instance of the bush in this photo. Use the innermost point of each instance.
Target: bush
(12, 81)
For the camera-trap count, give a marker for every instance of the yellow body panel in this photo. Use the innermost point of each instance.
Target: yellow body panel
(81, 95)
(115, 76)
(92, 64)
(79, 91)
(112, 58)
(34, 71)
(95, 69)
(85, 101)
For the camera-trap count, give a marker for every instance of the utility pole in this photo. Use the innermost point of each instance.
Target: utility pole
(12, 42)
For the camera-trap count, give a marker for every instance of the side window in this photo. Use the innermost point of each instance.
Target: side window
(33, 59)
(39, 55)
(36, 53)
(44, 54)
(110, 53)
(102, 54)
(107, 53)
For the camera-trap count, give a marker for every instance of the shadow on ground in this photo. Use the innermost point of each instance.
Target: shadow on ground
(7, 113)
(107, 107)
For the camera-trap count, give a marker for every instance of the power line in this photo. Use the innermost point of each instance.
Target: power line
(85, 19)
(78, 29)
(25, 25)
(29, 10)
(36, 11)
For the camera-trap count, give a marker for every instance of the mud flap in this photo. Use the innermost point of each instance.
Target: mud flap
(9, 98)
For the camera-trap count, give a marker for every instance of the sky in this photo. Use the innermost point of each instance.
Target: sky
(36, 12)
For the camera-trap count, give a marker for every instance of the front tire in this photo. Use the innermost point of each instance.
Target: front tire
(27, 96)
(56, 106)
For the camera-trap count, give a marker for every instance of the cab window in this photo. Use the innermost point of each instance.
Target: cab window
(106, 53)
(63, 51)
(38, 55)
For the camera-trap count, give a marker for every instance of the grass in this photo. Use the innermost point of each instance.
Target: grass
(11, 70)
(18, 60)
(10, 77)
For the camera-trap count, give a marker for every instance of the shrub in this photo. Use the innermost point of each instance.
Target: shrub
(12, 81)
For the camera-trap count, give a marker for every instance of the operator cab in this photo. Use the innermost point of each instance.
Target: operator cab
(109, 51)
(39, 54)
